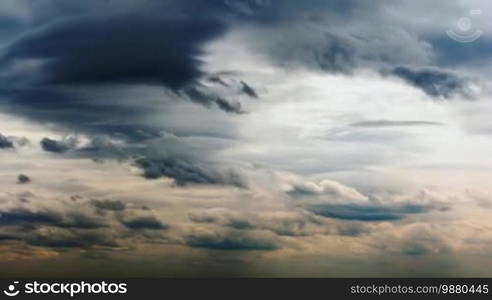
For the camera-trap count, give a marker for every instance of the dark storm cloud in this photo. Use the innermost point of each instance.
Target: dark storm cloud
(112, 205)
(144, 222)
(21, 216)
(132, 49)
(393, 123)
(184, 171)
(5, 143)
(371, 211)
(231, 241)
(55, 146)
(434, 82)
(23, 179)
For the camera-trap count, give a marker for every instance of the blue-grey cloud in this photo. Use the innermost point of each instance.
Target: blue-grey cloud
(231, 242)
(207, 99)
(51, 145)
(434, 82)
(185, 171)
(372, 211)
(22, 216)
(145, 222)
(5, 143)
(162, 51)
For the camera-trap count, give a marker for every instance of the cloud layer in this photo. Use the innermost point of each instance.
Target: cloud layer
(243, 138)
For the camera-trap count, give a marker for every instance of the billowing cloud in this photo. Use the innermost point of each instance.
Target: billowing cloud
(151, 154)
(184, 172)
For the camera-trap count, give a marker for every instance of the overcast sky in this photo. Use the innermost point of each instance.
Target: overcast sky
(245, 138)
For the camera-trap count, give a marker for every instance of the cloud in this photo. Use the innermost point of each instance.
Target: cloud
(70, 239)
(163, 50)
(184, 172)
(328, 188)
(55, 146)
(112, 205)
(206, 99)
(289, 223)
(367, 212)
(5, 143)
(230, 242)
(22, 216)
(144, 222)
(23, 179)
(331, 199)
(435, 82)
(392, 123)
(248, 90)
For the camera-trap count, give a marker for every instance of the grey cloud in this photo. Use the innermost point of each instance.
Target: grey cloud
(394, 123)
(185, 171)
(248, 90)
(5, 143)
(101, 147)
(364, 212)
(373, 211)
(228, 106)
(112, 205)
(326, 188)
(218, 80)
(230, 242)
(435, 82)
(288, 223)
(322, 51)
(331, 199)
(164, 49)
(70, 239)
(144, 222)
(223, 218)
(23, 179)
(416, 240)
(22, 216)
(197, 95)
(55, 146)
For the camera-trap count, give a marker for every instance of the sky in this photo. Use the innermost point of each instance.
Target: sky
(245, 138)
